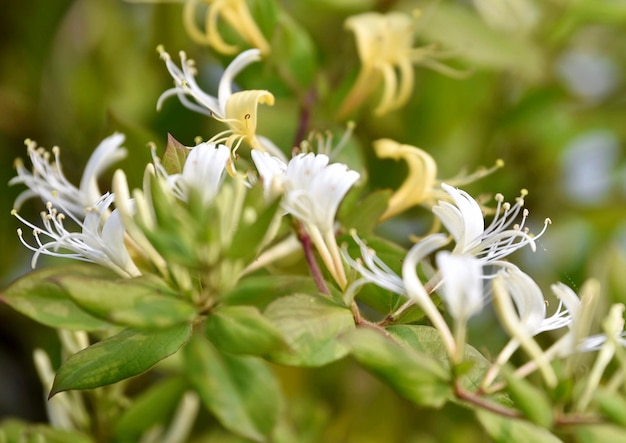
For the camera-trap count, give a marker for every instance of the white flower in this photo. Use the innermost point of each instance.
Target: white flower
(312, 191)
(462, 284)
(372, 270)
(465, 222)
(238, 110)
(530, 313)
(202, 174)
(272, 171)
(100, 241)
(48, 182)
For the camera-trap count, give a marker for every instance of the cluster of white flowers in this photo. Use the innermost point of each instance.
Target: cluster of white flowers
(461, 278)
(311, 189)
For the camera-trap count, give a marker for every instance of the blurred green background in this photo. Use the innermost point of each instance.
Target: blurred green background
(550, 102)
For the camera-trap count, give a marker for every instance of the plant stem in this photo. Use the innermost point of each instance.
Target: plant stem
(305, 240)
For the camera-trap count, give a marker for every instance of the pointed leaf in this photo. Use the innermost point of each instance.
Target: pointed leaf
(532, 401)
(242, 330)
(511, 430)
(250, 233)
(310, 325)
(143, 302)
(242, 392)
(367, 217)
(121, 356)
(426, 339)
(414, 375)
(261, 290)
(150, 408)
(39, 298)
(613, 405)
(600, 433)
(174, 156)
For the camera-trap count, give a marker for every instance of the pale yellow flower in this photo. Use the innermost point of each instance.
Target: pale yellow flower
(421, 186)
(385, 47)
(237, 109)
(235, 12)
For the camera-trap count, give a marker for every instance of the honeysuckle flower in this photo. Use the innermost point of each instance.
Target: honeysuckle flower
(461, 284)
(48, 182)
(101, 239)
(385, 47)
(202, 174)
(372, 269)
(312, 191)
(462, 291)
(237, 109)
(465, 221)
(272, 171)
(415, 289)
(235, 12)
(613, 326)
(513, 325)
(421, 185)
(530, 307)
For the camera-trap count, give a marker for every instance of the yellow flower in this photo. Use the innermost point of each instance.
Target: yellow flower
(237, 109)
(385, 47)
(235, 12)
(421, 186)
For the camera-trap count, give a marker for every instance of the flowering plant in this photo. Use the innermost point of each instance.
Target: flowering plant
(188, 294)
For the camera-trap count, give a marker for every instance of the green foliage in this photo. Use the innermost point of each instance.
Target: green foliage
(310, 325)
(511, 430)
(263, 289)
(17, 431)
(123, 355)
(241, 392)
(242, 330)
(151, 408)
(413, 374)
(612, 405)
(39, 297)
(174, 156)
(532, 401)
(143, 302)
(427, 340)
(363, 215)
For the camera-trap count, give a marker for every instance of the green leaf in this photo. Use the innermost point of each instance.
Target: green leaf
(242, 330)
(116, 358)
(414, 375)
(17, 431)
(612, 405)
(261, 290)
(250, 233)
(293, 52)
(150, 408)
(143, 302)
(242, 392)
(174, 156)
(310, 325)
(600, 433)
(511, 430)
(531, 401)
(36, 296)
(426, 339)
(366, 218)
